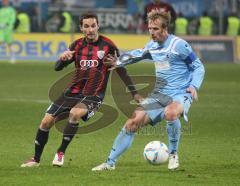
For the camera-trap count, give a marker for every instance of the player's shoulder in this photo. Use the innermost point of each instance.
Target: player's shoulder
(180, 45)
(107, 40)
(151, 45)
(76, 42)
(178, 42)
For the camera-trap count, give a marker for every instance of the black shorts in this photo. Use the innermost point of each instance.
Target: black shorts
(63, 105)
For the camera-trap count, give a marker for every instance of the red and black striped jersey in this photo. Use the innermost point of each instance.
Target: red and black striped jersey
(91, 74)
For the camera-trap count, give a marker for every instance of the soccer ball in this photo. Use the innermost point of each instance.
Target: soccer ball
(156, 152)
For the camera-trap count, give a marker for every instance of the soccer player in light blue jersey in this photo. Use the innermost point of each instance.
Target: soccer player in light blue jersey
(179, 74)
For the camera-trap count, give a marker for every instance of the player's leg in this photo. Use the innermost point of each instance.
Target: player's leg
(42, 135)
(2, 37)
(12, 53)
(151, 111)
(173, 111)
(43, 132)
(76, 113)
(40, 140)
(124, 138)
(126, 135)
(71, 128)
(172, 114)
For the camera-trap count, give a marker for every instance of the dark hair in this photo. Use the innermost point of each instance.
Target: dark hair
(87, 16)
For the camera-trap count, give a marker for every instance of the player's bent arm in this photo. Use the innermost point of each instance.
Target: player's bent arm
(65, 59)
(197, 74)
(61, 64)
(195, 65)
(122, 72)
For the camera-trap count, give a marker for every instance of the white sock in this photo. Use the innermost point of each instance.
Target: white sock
(12, 54)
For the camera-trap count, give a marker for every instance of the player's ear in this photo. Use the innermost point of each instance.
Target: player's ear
(80, 27)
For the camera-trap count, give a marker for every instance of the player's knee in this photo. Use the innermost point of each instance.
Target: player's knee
(132, 125)
(46, 123)
(76, 114)
(171, 114)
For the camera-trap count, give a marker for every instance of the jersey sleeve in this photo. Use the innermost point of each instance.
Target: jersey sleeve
(134, 56)
(122, 72)
(113, 49)
(195, 65)
(185, 51)
(62, 64)
(72, 47)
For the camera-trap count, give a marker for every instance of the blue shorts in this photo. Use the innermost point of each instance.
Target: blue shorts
(155, 110)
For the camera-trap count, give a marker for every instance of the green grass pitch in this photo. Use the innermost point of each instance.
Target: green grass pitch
(209, 152)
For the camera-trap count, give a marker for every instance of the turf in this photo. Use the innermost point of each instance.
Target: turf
(209, 149)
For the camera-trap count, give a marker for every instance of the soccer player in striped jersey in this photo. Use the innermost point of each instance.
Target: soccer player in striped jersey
(179, 74)
(88, 86)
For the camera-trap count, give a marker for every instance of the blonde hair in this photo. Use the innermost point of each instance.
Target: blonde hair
(155, 14)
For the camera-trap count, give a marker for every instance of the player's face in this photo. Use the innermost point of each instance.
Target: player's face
(90, 29)
(157, 33)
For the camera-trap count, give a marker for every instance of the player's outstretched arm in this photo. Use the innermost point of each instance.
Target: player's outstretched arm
(128, 58)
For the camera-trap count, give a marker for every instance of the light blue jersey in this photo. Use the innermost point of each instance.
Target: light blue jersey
(176, 65)
(176, 68)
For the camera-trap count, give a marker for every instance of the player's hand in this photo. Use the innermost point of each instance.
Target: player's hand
(111, 61)
(193, 91)
(67, 55)
(138, 98)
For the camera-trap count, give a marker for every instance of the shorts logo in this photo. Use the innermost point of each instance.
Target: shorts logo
(88, 63)
(100, 54)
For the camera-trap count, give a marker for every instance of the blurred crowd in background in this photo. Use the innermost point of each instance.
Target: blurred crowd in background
(189, 17)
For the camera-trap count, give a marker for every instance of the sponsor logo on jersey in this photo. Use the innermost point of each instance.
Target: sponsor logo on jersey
(88, 63)
(162, 65)
(100, 54)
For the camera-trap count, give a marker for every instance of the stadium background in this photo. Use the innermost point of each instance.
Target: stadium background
(209, 149)
(121, 18)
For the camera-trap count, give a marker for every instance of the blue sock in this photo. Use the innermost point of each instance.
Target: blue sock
(121, 144)
(174, 133)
